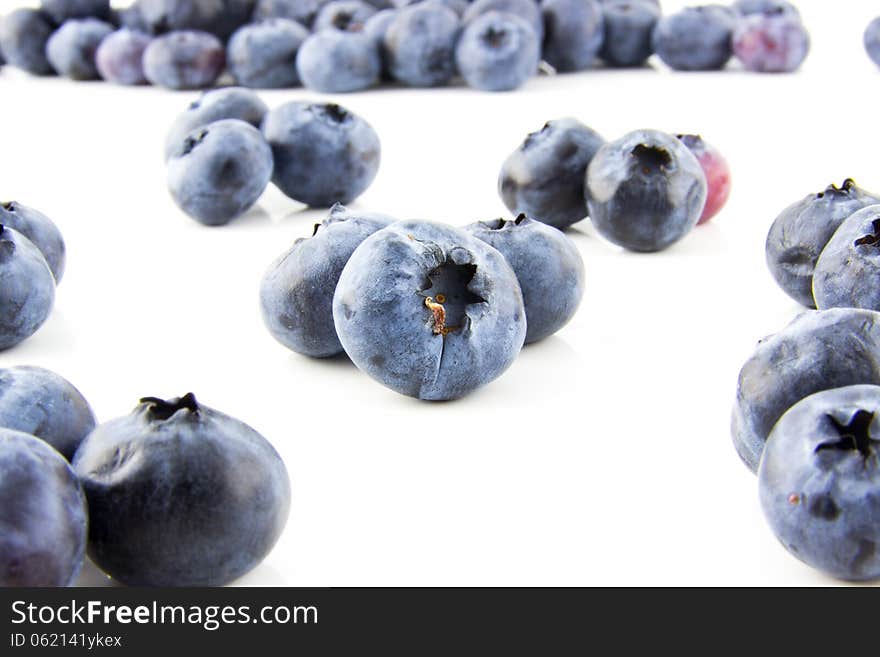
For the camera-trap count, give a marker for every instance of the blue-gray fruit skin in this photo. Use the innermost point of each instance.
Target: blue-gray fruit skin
(263, 55)
(872, 40)
(218, 17)
(27, 288)
(219, 171)
(71, 48)
(119, 58)
(43, 517)
(296, 294)
(749, 7)
(801, 231)
(184, 60)
(544, 177)
(301, 11)
(528, 10)
(131, 18)
(323, 153)
(215, 105)
(645, 191)
(375, 29)
(818, 350)
(695, 38)
(46, 405)
(23, 37)
(346, 15)
(40, 230)
(848, 268)
(336, 61)
(62, 10)
(629, 27)
(180, 495)
(497, 52)
(429, 310)
(574, 31)
(819, 482)
(420, 44)
(547, 265)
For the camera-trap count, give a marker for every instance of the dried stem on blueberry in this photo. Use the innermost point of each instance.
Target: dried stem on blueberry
(439, 316)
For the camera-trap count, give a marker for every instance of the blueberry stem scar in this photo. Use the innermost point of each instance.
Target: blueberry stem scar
(439, 315)
(854, 436)
(161, 409)
(872, 239)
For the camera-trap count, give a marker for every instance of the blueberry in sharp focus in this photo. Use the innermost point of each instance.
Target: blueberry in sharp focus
(62, 10)
(574, 31)
(335, 61)
(46, 405)
(717, 174)
(645, 191)
(324, 154)
(119, 57)
(547, 265)
(848, 268)
(497, 52)
(818, 350)
(819, 481)
(629, 26)
(695, 38)
(420, 45)
(263, 54)
(184, 60)
(218, 17)
(27, 288)
(528, 10)
(43, 514)
(23, 37)
(771, 43)
(429, 310)
(219, 171)
(180, 495)
(872, 40)
(71, 48)
(301, 11)
(345, 15)
(215, 105)
(40, 230)
(544, 177)
(802, 230)
(296, 294)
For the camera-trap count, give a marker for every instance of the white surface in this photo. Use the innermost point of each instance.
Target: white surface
(602, 456)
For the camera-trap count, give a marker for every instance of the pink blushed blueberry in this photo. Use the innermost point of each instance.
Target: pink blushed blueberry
(717, 173)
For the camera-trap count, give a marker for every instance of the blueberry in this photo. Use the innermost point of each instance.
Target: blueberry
(847, 269)
(324, 154)
(218, 17)
(45, 405)
(872, 40)
(573, 33)
(749, 7)
(429, 311)
(71, 48)
(23, 37)
(771, 43)
(62, 10)
(132, 18)
(819, 481)
(802, 230)
(43, 514)
(375, 30)
(27, 288)
(497, 52)
(547, 265)
(695, 38)
(420, 44)
(180, 495)
(119, 57)
(717, 173)
(544, 177)
(184, 60)
(301, 11)
(645, 191)
(220, 171)
(296, 295)
(215, 105)
(528, 10)
(264, 54)
(629, 26)
(334, 61)
(40, 230)
(818, 350)
(345, 15)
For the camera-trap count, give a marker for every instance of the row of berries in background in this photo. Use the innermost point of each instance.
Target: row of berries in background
(808, 399)
(348, 45)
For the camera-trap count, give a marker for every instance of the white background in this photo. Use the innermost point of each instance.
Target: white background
(603, 456)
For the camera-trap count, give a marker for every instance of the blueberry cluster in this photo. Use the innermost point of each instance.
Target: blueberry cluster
(337, 46)
(428, 310)
(174, 494)
(32, 259)
(223, 151)
(643, 192)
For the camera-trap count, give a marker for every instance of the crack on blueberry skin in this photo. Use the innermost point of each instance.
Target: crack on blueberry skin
(853, 436)
(872, 239)
(159, 409)
(651, 159)
(448, 295)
